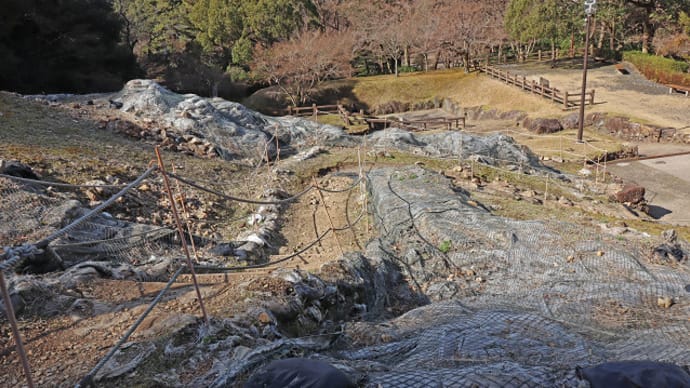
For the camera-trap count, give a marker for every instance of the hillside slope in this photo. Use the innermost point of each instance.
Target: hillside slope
(320, 251)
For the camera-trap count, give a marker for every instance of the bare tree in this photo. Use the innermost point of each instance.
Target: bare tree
(299, 65)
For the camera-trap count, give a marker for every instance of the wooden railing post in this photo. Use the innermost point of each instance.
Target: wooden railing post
(539, 55)
(591, 97)
(316, 112)
(565, 100)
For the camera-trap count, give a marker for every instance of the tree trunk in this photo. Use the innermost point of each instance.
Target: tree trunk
(602, 33)
(406, 55)
(395, 64)
(647, 36)
(437, 59)
(612, 36)
(214, 87)
(426, 62)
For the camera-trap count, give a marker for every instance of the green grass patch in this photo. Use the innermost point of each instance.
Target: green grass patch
(445, 246)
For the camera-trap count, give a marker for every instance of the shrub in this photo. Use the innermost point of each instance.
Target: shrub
(659, 69)
(407, 69)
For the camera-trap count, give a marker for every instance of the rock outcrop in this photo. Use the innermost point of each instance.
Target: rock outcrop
(235, 131)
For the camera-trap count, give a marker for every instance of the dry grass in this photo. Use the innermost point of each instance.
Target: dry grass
(467, 89)
(408, 87)
(564, 145)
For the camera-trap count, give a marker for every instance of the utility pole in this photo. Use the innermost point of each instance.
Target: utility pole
(589, 10)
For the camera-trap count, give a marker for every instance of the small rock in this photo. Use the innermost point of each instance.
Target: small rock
(264, 318)
(585, 172)
(600, 253)
(670, 236)
(565, 201)
(664, 302)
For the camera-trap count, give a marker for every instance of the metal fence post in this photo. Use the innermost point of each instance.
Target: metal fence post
(180, 232)
(9, 311)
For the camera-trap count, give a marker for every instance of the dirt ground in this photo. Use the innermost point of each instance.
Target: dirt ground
(630, 95)
(63, 348)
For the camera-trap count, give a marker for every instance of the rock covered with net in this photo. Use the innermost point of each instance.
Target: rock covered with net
(507, 303)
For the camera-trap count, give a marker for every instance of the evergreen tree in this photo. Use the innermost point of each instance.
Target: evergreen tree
(62, 46)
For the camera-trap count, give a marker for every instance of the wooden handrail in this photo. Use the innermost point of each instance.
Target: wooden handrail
(552, 93)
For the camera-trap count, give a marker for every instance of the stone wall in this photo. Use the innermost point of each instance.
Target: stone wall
(621, 127)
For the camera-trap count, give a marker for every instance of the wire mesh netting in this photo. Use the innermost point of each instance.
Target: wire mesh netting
(538, 298)
(511, 303)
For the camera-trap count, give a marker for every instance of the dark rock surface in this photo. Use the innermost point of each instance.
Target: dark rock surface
(17, 169)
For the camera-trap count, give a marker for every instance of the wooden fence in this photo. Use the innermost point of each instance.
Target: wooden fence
(417, 125)
(542, 88)
(359, 118)
(313, 110)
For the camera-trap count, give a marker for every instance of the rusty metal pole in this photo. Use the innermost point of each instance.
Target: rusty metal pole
(581, 123)
(180, 232)
(9, 311)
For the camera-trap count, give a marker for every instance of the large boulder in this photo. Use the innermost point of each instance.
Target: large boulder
(234, 131)
(495, 149)
(632, 194)
(542, 126)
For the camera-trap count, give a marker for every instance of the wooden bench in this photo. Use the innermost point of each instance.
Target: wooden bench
(621, 69)
(679, 89)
